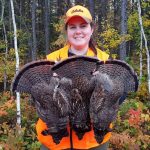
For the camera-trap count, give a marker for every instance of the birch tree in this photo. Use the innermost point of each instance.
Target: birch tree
(141, 62)
(145, 41)
(5, 60)
(6, 43)
(72, 2)
(17, 62)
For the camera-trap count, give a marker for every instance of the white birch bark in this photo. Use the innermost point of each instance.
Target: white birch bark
(145, 40)
(72, 2)
(6, 42)
(6, 53)
(141, 63)
(2, 10)
(17, 63)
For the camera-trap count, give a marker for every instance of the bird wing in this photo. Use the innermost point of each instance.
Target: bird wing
(76, 65)
(122, 71)
(31, 74)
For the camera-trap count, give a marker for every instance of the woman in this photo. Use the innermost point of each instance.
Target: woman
(79, 29)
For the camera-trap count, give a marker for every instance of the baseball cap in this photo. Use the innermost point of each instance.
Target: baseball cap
(80, 11)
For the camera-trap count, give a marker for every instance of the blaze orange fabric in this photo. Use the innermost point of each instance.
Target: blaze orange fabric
(88, 140)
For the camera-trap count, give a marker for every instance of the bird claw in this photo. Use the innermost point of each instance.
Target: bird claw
(57, 136)
(100, 133)
(45, 132)
(81, 129)
(80, 135)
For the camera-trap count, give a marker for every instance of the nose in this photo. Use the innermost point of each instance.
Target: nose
(78, 30)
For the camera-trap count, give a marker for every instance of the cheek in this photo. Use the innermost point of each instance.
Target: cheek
(89, 34)
(69, 34)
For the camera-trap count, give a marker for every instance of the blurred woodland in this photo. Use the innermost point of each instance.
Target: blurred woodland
(122, 29)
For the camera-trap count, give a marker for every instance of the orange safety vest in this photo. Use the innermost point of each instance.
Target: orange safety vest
(88, 141)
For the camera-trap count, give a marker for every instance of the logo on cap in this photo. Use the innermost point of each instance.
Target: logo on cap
(76, 10)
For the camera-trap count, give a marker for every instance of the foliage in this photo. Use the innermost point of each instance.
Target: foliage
(131, 129)
(132, 126)
(7, 65)
(12, 136)
(110, 39)
(60, 28)
(134, 28)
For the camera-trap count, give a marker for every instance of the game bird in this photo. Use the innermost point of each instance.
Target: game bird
(50, 95)
(81, 91)
(79, 70)
(112, 81)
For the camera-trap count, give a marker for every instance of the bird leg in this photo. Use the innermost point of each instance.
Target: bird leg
(57, 134)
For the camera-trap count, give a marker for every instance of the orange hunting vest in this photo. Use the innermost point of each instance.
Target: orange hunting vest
(88, 140)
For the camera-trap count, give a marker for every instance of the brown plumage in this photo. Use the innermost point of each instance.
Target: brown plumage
(112, 81)
(79, 114)
(104, 103)
(31, 74)
(86, 92)
(50, 96)
(52, 103)
(79, 70)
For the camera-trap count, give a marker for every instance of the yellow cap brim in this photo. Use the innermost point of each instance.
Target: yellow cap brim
(86, 19)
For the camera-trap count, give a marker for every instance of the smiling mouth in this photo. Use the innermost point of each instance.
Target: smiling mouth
(79, 37)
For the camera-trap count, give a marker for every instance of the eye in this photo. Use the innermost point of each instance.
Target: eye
(72, 27)
(83, 26)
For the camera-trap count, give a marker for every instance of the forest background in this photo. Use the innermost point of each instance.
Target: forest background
(122, 29)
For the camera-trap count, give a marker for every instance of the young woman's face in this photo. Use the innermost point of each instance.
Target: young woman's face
(79, 33)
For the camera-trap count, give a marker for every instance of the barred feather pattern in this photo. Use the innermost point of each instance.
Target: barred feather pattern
(52, 106)
(122, 71)
(31, 74)
(76, 95)
(104, 103)
(79, 72)
(79, 114)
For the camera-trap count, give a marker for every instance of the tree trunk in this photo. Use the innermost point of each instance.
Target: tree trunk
(34, 41)
(116, 5)
(46, 27)
(17, 63)
(5, 61)
(141, 59)
(145, 40)
(122, 53)
(6, 42)
(2, 11)
(20, 13)
(60, 8)
(67, 5)
(92, 8)
(72, 2)
(102, 14)
(10, 26)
